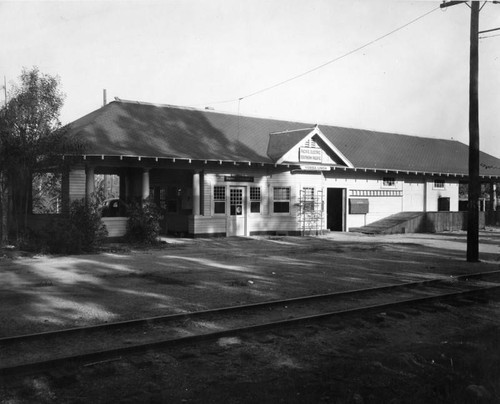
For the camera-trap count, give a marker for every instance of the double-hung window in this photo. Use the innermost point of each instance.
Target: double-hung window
(281, 199)
(255, 199)
(219, 199)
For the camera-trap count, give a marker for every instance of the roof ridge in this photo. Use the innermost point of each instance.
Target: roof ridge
(323, 124)
(207, 109)
(290, 130)
(153, 104)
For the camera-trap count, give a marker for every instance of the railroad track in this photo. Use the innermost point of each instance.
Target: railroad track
(41, 351)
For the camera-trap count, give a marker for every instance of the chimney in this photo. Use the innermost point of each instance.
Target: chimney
(104, 101)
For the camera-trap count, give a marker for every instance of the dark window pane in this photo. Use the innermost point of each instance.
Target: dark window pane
(255, 207)
(219, 207)
(281, 207)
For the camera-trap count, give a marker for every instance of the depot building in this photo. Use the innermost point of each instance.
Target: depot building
(218, 174)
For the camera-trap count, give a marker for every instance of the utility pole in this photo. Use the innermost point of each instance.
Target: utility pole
(474, 184)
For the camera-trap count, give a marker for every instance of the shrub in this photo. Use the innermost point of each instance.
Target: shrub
(86, 220)
(81, 231)
(143, 225)
(61, 237)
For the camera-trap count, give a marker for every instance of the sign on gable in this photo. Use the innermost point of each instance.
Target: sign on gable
(310, 154)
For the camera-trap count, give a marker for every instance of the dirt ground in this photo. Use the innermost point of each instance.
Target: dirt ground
(430, 354)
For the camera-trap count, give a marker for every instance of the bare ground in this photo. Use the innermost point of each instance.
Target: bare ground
(430, 354)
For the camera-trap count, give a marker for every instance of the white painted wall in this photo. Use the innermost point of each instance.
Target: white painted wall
(414, 195)
(76, 184)
(409, 193)
(450, 191)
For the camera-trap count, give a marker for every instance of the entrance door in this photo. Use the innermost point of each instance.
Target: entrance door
(236, 225)
(335, 209)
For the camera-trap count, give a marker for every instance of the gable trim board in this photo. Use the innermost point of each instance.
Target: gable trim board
(292, 152)
(293, 167)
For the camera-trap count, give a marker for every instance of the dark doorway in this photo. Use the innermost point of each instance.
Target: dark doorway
(335, 209)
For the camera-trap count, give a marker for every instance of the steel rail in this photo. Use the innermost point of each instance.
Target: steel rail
(228, 309)
(36, 366)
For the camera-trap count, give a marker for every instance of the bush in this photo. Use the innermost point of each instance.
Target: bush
(85, 219)
(81, 231)
(61, 237)
(143, 225)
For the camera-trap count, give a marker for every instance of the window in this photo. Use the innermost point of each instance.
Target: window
(255, 199)
(439, 184)
(389, 182)
(220, 200)
(165, 199)
(311, 143)
(281, 199)
(308, 199)
(46, 191)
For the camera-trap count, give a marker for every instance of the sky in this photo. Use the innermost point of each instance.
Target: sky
(202, 53)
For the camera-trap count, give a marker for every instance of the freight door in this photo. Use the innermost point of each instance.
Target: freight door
(236, 225)
(335, 209)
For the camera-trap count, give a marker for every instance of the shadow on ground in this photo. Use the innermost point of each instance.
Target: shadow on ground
(44, 293)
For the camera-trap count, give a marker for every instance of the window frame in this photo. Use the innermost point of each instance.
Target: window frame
(389, 182)
(282, 201)
(219, 199)
(439, 181)
(255, 200)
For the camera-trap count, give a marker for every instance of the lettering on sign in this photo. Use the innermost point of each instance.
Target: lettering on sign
(310, 154)
(314, 168)
(238, 178)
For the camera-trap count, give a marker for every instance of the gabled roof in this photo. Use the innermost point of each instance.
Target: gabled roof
(124, 128)
(282, 143)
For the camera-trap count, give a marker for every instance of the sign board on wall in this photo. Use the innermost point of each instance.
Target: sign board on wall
(310, 154)
(310, 167)
(358, 206)
(238, 178)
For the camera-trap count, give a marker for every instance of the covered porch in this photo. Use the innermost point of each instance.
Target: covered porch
(175, 188)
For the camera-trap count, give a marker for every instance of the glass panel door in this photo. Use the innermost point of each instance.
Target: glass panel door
(236, 201)
(236, 221)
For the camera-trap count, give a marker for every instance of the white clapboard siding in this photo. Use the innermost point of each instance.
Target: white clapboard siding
(76, 184)
(208, 225)
(116, 226)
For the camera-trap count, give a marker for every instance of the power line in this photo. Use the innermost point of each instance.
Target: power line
(489, 36)
(326, 63)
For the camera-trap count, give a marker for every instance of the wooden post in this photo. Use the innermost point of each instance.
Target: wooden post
(196, 193)
(474, 184)
(491, 208)
(145, 183)
(89, 182)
